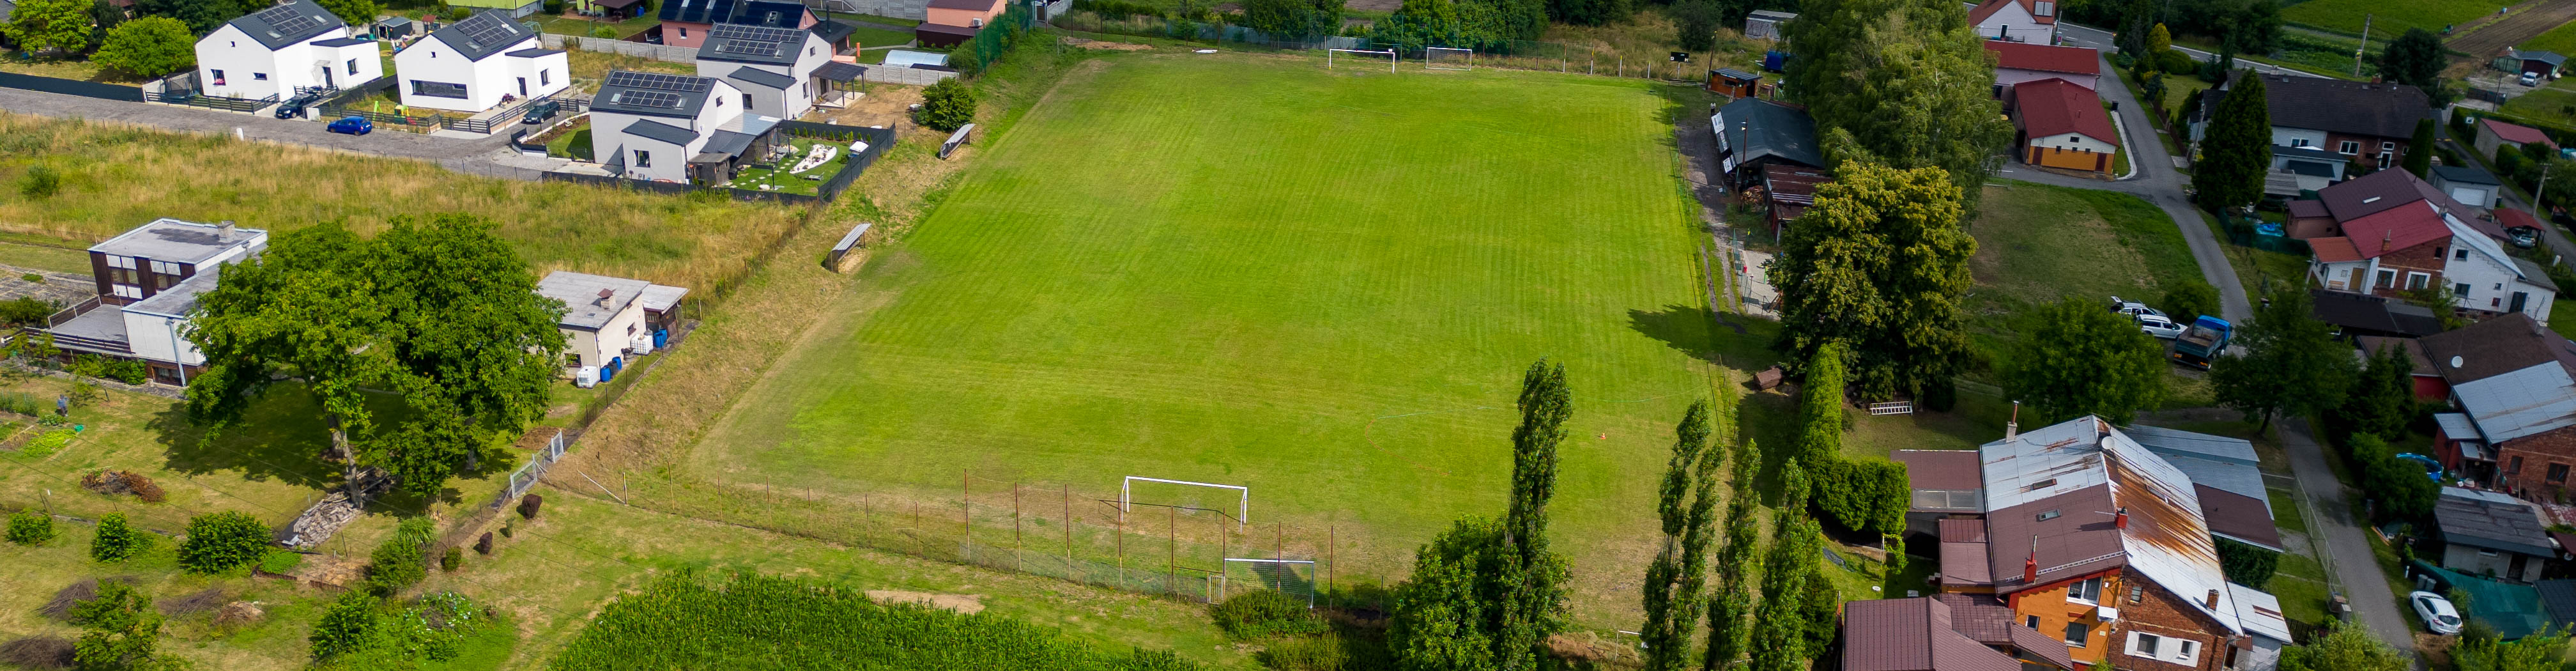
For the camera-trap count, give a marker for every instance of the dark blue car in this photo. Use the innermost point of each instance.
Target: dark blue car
(356, 125)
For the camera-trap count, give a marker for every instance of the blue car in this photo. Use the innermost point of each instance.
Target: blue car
(356, 125)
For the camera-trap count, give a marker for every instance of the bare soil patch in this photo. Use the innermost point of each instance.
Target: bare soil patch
(199, 602)
(1107, 46)
(964, 604)
(1374, 5)
(2494, 38)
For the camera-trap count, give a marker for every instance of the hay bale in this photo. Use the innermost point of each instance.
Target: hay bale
(45, 653)
(72, 595)
(194, 603)
(239, 613)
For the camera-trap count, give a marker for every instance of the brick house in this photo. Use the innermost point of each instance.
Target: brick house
(2389, 233)
(2513, 382)
(2093, 539)
(2369, 123)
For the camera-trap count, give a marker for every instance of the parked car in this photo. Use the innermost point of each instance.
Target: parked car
(2128, 307)
(2159, 326)
(296, 106)
(2523, 236)
(356, 125)
(542, 110)
(2530, 79)
(2437, 612)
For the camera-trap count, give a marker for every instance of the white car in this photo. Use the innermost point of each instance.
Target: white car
(2159, 326)
(2530, 79)
(2437, 612)
(2133, 308)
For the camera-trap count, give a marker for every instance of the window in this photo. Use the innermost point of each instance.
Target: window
(2074, 138)
(219, 77)
(2461, 288)
(2075, 635)
(2189, 649)
(2031, 621)
(120, 270)
(545, 78)
(128, 291)
(2418, 280)
(2557, 472)
(2144, 645)
(2088, 590)
(643, 159)
(259, 76)
(353, 66)
(2348, 147)
(2387, 279)
(2490, 554)
(437, 89)
(2461, 254)
(2515, 466)
(2137, 592)
(2048, 515)
(2387, 147)
(165, 267)
(2036, 486)
(2299, 142)
(684, 32)
(746, 101)
(2043, 8)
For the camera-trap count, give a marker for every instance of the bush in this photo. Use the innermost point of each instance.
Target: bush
(397, 564)
(2174, 60)
(24, 404)
(281, 562)
(220, 541)
(46, 445)
(1863, 495)
(947, 105)
(30, 527)
(40, 182)
(455, 14)
(1116, 9)
(529, 504)
(483, 546)
(2188, 301)
(344, 627)
(116, 541)
(2245, 564)
(1266, 613)
(26, 309)
(604, 32)
(454, 559)
(554, 6)
(1323, 653)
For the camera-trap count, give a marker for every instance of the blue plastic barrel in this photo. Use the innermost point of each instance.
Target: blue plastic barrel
(661, 338)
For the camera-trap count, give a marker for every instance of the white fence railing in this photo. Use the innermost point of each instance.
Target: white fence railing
(527, 476)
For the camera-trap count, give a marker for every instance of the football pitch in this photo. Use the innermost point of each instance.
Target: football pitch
(1323, 285)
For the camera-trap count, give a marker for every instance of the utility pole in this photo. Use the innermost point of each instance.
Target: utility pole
(2365, 45)
(2545, 167)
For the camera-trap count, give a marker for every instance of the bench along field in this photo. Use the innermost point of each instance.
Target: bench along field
(1319, 284)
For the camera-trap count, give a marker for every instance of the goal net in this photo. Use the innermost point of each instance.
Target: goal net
(1243, 496)
(1362, 56)
(1445, 58)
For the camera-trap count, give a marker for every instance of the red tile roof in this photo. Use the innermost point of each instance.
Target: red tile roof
(1941, 469)
(2517, 134)
(2238, 516)
(2058, 107)
(2396, 228)
(2335, 250)
(2511, 218)
(2045, 58)
(1989, 7)
(1912, 635)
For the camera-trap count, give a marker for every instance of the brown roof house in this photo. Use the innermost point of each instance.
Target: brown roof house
(2367, 123)
(2389, 233)
(1949, 632)
(2514, 383)
(2103, 541)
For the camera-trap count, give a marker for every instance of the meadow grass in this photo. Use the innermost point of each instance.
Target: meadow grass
(2387, 19)
(115, 177)
(2561, 39)
(2036, 243)
(1243, 269)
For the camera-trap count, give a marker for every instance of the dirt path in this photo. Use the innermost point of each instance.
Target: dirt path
(2526, 22)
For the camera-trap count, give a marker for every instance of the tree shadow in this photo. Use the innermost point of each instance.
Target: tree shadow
(1682, 327)
(1769, 420)
(283, 439)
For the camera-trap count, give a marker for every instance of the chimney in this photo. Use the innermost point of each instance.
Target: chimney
(2012, 427)
(2212, 602)
(2030, 565)
(604, 294)
(224, 233)
(2121, 519)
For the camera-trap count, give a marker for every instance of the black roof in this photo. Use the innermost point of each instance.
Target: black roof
(728, 143)
(2353, 108)
(290, 23)
(2494, 525)
(2457, 174)
(751, 75)
(841, 72)
(483, 34)
(649, 128)
(652, 94)
(696, 11)
(533, 52)
(744, 43)
(834, 31)
(1757, 128)
(2363, 314)
(342, 42)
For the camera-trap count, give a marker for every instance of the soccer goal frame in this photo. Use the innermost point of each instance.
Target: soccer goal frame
(1243, 506)
(1388, 53)
(1429, 64)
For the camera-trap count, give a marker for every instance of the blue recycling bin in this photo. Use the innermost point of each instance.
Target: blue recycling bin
(661, 338)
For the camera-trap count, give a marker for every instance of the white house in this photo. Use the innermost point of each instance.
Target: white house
(772, 67)
(674, 128)
(2033, 21)
(470, 65)
(602, 318)
(278, 50)
(2388, 233)
(151, 277)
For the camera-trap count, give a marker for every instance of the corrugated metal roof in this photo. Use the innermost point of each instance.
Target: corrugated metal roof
(2241, 479)
(2457, 426)
(2529, 401)
(2041, 463)
(2166, 441)
(2260, 612)
(2467, 518)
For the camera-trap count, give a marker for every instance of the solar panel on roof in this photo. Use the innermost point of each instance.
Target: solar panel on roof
(657, 81)
(484, 32)
(286, 20)
(648, 99)
(734, 31)
(742, 47)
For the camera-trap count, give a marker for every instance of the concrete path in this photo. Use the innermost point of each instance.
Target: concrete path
(2350, 562)
(459, 154)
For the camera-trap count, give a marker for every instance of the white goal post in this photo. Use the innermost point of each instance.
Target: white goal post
(1446, 58)
(1372, 55)
(1243, 506)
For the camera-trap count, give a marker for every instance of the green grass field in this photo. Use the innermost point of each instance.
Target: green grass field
(2036, 243)
(2388, 19)
(1323, 285)
(2561, 39)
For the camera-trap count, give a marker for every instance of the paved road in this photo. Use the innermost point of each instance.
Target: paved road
(2104, 40)
(2157, 182)
(476, 155)
(2350, 558)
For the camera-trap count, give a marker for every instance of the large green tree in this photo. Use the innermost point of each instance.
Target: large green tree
(2381, 400)
(2400, 486)
(352, 12)
(1909, 79)
(202, 16)
(2236, 150)
(46, 25)
(120, 631)
(1779, 637)
(151, 46)
(1730, 603)
(1440, 619)
(2075, 358)
(440, 312)
(2344, 647)
(1293, 19)
(1484, 594)
(1679, 572)
(2419, 149)
(2291, 364)
(2414, 59)
(1820, 408)
(1878, 265)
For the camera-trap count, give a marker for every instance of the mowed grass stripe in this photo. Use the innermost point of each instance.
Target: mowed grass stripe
(1320, 285)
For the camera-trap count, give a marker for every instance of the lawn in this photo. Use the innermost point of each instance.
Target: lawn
(65, 68)
(1168, 271)
(42, 252)
(2037, 243)
(589, 67)
(872, 18)
(2553, 103)
(867, 37)
(2561, 39)
(784, 178)
(2387, 19)
(2562, 316)
(583, 26)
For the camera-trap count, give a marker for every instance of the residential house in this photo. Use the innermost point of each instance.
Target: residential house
(674, 128)
(2033, 21)
(2366, 122)
(283, 50)
(2062, 125)
(685, 22)
(2091, 538)
(2426, 382)
(2388, 233)
(2491, 533)
(774, 68)
(2225, 475)
(1787, 191)
(472, 65)
(1943, 484)
(151, 277)
(1734, 83)
(2469, 186)
(955, 21)
(606, 318)
(2545, 64)
(1764, 24)
(1947, 632)
(2308, 169)
(2515, 425)
(2494, 135)
(2017, 62)
(1752, 133)
(2364, 315)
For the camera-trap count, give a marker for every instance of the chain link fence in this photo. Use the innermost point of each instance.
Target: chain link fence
(1509, 54)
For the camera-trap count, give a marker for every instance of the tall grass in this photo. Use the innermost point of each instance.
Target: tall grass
(115, 176)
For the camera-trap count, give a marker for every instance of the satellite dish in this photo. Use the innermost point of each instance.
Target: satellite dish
(2455, 362)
